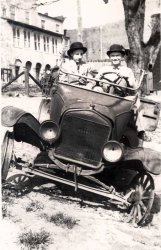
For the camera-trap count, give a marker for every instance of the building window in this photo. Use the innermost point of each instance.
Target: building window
(6, 74)
(43, 24)
(37, 41)
(27, 16)
(26, 38)
(57, 27)
(47, 40)
(53, 45)
(56, 46)
(16, 37)
(4, 11)
(12, 12)
(44, 38)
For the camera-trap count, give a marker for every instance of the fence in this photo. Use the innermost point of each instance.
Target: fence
(27, 76)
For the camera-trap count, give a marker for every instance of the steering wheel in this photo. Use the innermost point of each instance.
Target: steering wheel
(114, 89)
(78, 82)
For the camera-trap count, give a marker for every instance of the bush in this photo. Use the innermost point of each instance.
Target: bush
(34, 206)
(35, 240)
(5, 212)
(60, 219)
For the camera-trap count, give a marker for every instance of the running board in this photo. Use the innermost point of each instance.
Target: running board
(101, 192)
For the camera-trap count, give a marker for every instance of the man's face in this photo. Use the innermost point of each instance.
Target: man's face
(116, 58)
(77, 55)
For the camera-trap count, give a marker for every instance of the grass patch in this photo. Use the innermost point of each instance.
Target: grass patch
(34, 206)
(8, 195)
(61, 219)
(5, 212)
(35, 240)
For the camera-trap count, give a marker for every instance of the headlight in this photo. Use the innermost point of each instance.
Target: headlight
(112, 151)
(49, 131)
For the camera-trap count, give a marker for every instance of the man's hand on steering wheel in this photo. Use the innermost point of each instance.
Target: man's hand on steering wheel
(119, 76)
(110, 88)
(117, 80)
(82, 81)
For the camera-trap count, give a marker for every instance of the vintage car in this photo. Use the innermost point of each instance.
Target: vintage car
(87, 140)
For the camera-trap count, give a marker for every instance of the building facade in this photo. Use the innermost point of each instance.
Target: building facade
(29, 40)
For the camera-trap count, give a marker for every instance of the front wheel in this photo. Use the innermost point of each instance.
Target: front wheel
(141, 198)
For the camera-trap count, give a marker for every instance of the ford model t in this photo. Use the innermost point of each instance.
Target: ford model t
(87, 140)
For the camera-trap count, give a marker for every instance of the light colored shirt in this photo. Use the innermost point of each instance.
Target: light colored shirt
(126, 78)
(123, 71)
(71, 67)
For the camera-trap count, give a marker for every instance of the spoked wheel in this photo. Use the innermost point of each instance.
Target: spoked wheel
(7, 154)
(142, 198)
(21, 183)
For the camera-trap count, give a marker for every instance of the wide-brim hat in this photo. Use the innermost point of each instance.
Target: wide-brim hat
(75, 46)
(117, 48)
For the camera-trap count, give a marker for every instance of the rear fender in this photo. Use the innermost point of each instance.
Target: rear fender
(25, 126)
(151, 113)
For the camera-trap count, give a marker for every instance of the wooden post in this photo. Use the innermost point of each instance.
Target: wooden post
(14, 79)
(36, 81)
(27, 82)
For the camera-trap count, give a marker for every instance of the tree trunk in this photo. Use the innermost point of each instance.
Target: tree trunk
(142, 56)
(134, 24)
(151, 48)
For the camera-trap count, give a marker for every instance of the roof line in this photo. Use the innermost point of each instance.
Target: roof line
(58, 18)
(25, 25)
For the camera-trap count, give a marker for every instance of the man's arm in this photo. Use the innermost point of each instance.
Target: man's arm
(128, 74)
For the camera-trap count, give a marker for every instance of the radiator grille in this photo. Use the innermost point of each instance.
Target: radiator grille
(82, 140)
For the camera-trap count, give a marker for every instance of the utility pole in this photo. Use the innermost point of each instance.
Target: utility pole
(101, 49)
(79, 20)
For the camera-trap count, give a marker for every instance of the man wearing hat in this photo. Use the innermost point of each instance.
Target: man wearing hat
(75, 65)
(116, 54)
(122, 76)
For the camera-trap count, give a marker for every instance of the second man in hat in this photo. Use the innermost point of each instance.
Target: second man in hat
(77, 66)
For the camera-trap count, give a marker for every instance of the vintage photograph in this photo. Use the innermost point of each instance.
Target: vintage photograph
(80, 124)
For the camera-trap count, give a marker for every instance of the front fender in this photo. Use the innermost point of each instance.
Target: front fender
(150, 159)
(25, 126)
(10, 115)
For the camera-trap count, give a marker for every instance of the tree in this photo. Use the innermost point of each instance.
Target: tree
(142, 55)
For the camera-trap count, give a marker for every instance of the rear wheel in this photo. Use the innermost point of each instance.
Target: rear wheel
(7, 154)
(141, 198)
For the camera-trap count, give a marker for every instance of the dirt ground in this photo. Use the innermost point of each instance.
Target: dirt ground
(92, 224)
